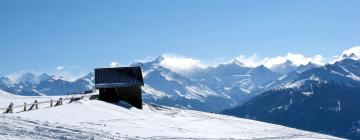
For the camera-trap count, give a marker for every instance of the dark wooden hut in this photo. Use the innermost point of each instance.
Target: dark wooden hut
(121, 83)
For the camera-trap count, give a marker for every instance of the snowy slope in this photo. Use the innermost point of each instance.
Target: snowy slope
(92, 119)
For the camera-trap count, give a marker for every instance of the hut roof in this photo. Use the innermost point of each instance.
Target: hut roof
(118, 77)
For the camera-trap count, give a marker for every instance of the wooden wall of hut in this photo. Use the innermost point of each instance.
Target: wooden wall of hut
(132, 95)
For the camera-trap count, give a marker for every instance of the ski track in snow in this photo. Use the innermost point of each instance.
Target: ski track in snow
(17, 128)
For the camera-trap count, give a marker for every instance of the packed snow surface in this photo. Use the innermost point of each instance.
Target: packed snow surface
(93, 119)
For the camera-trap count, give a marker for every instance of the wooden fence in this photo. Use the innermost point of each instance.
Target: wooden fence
(36, 103)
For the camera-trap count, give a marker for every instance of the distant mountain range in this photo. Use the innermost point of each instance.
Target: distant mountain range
(29, 84)
(211, 89)
(323, 99)
(208, 89)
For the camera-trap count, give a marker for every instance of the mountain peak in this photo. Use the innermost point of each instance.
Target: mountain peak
(310, 63)
(159, 59)
(89, 76)
(286, 67)
(347, 62)
(350, 56)
(237, 62)
(261, 67)
(26, 77)
(288, 62)
(27, 74)
(43, 77)
(5, 80)
(352, 53)
(142, 63)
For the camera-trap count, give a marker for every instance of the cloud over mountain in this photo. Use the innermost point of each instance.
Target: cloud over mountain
(297, 59)
(183, 64)
(178, 63)
(353, 53)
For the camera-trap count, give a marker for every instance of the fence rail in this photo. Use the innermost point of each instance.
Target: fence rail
(35, 104)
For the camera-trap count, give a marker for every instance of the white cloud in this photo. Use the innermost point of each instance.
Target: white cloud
(60, 68)
(251, 61)
(180, 64)
(70, 73)
(66, 75)
(297, 59)
(146, 59)
(353, 53)
(114, 64)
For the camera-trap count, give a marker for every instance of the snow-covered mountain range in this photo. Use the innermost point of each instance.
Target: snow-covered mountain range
(322, 99)
(208, 89)
(29, 84)
(212, 88)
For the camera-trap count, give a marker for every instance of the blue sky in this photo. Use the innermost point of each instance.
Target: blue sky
(41, 35)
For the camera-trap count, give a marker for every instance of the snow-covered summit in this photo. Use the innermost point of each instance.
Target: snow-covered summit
(303, 68)
(286, 67)
(27, 77)
(43, 77)
(352, 53)
(5, 81)
(89, 77)
(345, 72)
(236, 62)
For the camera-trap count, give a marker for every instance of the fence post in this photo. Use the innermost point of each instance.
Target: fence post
(59, 102)
(24, 106)
(36, 104)
(10, 108)
(72, 99)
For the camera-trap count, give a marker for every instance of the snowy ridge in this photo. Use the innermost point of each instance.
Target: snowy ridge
(344, 72)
